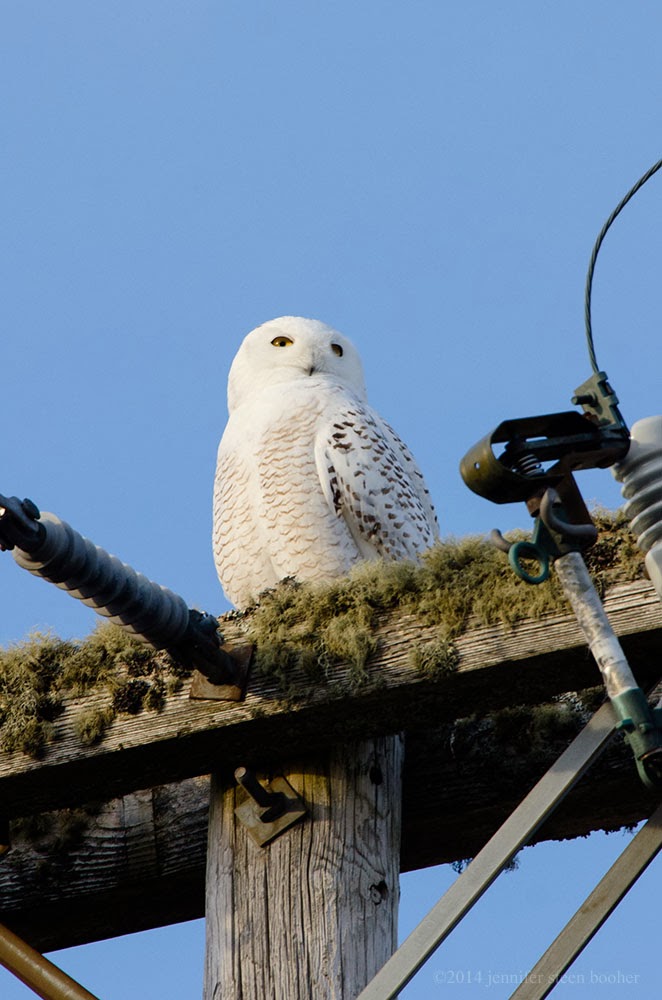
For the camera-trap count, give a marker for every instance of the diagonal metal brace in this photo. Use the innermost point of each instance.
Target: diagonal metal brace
(499, 850)
(40, 975)
(596, 908)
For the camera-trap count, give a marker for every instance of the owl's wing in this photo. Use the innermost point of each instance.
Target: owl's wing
(240, 555)
(371, 479)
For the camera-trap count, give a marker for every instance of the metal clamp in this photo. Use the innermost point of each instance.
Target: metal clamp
(553, 536)
(19, 523)
(641, 726)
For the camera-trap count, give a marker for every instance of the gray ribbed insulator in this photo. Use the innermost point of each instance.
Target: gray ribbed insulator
(641, 475)
(152, 613)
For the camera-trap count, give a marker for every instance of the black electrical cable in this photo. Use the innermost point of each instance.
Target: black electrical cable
(594, 256)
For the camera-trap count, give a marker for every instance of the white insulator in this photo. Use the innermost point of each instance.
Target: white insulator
(640, 472)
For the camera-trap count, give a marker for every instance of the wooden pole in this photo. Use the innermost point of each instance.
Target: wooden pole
(314, 913)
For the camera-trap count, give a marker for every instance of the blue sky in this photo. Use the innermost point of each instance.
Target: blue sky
(428, 177)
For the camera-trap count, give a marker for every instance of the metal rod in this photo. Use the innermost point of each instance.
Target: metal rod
(588, 920)
(248, 781)
(40, 975)
(500, 849)
(635, 718)
(585, 600)
(271, 804)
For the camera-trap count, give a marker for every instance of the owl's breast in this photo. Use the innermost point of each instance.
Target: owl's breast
(271, 515)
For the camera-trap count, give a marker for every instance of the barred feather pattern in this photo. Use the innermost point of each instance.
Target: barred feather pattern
(309, 480)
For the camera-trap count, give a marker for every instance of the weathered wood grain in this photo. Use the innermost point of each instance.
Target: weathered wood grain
(498, 666)
(111, 868)
(75, 877)
(314, 913)
(138, 860)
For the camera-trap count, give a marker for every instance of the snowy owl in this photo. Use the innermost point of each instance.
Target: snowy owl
(309, 479)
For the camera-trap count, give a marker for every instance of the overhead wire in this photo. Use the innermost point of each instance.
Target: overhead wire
(594, 256)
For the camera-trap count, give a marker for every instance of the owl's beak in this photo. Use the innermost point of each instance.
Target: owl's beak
(312, 370)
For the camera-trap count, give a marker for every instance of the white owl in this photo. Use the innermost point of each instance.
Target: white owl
(310, 479)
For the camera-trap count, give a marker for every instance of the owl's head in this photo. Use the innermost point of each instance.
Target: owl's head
(290, 348)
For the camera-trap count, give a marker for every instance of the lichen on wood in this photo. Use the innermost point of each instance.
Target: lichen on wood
(37, 674)
(305, 629)
(301, 632)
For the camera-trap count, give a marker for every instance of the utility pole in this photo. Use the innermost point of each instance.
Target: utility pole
(313, 913)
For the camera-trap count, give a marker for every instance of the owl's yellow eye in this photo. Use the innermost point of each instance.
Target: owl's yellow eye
(282, 342)
(337, 349)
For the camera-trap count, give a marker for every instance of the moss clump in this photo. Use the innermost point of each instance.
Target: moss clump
(517, 737)
(91, 725)
(36, 675)
(434, 660)
(300, 630)
(29, 700)
(304, 630)
(615, 557)
(462, 864)
(129, 696)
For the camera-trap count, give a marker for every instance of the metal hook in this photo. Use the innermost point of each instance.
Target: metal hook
(577, 535)
(267, 812)
(271, 804)
(529, 550)
(499, 541)
(516, 551)
(552, 537)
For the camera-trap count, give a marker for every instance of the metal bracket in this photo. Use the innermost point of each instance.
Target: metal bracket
(599, 401)
(38, 973)
(642, 727)
(19, 523)
(553, 536)
(267, 810)
(202, 689)
(539, 452)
